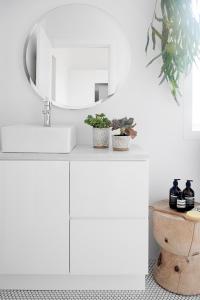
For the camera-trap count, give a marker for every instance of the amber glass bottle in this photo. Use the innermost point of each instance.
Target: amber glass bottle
(173, 194)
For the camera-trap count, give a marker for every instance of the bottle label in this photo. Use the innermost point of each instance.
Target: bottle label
(189, 200)
(181, 203)
(172, 201)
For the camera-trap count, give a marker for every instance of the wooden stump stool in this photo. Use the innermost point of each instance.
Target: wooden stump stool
(178, 265)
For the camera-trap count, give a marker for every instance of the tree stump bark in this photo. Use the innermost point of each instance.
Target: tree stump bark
(178, 265)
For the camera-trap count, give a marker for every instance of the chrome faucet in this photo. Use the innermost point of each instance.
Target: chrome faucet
(47, 113)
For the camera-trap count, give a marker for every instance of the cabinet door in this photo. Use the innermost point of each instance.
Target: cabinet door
(109, 189)
(111, 247)
(34, 235)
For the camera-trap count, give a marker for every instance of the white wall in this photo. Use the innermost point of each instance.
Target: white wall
(159, 119)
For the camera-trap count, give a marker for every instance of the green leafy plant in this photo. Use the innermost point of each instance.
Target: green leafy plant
(126, 126)
(177, 31)
(98, 121)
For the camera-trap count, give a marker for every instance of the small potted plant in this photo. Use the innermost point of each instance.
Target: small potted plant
(124, 131)
(101, 130)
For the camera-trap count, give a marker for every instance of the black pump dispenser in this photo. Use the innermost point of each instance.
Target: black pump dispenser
(175, 182)
(173, 194)
(188, 195)
(188, 183)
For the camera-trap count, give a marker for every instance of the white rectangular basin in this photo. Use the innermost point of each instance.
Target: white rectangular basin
(33, 138)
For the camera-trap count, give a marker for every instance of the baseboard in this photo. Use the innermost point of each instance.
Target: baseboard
(72, 282)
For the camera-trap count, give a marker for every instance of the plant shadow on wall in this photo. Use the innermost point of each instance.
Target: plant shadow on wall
(175, 29)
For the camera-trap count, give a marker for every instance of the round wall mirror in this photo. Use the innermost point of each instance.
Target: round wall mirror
(76, 56)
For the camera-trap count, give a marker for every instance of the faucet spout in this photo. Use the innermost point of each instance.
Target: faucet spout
(47, 113)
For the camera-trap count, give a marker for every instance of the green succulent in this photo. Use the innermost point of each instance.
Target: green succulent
(178, 39)
(98, 121)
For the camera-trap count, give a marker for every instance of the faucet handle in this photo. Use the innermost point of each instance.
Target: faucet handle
(47, 112)
(47, 103)
(47, 106)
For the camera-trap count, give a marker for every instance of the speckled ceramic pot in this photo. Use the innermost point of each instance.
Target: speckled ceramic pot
(101, 137)
(120, 142)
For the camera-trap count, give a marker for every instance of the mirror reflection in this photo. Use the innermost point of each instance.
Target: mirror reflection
(76, 56)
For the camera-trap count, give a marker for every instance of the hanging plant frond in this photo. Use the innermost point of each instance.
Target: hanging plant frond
(179, 40)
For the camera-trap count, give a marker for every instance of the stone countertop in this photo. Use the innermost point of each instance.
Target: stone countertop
(82, 152)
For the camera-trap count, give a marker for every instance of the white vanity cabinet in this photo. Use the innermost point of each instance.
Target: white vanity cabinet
(34, 218)
(109, 189)
(108, 247)
(74, 221)
(108, 211)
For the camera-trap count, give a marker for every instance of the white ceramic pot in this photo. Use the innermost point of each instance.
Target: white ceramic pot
(120, 142)
(101, 137)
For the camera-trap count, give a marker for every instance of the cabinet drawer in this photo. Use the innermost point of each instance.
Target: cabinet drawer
(108, 247)
(109, 189)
